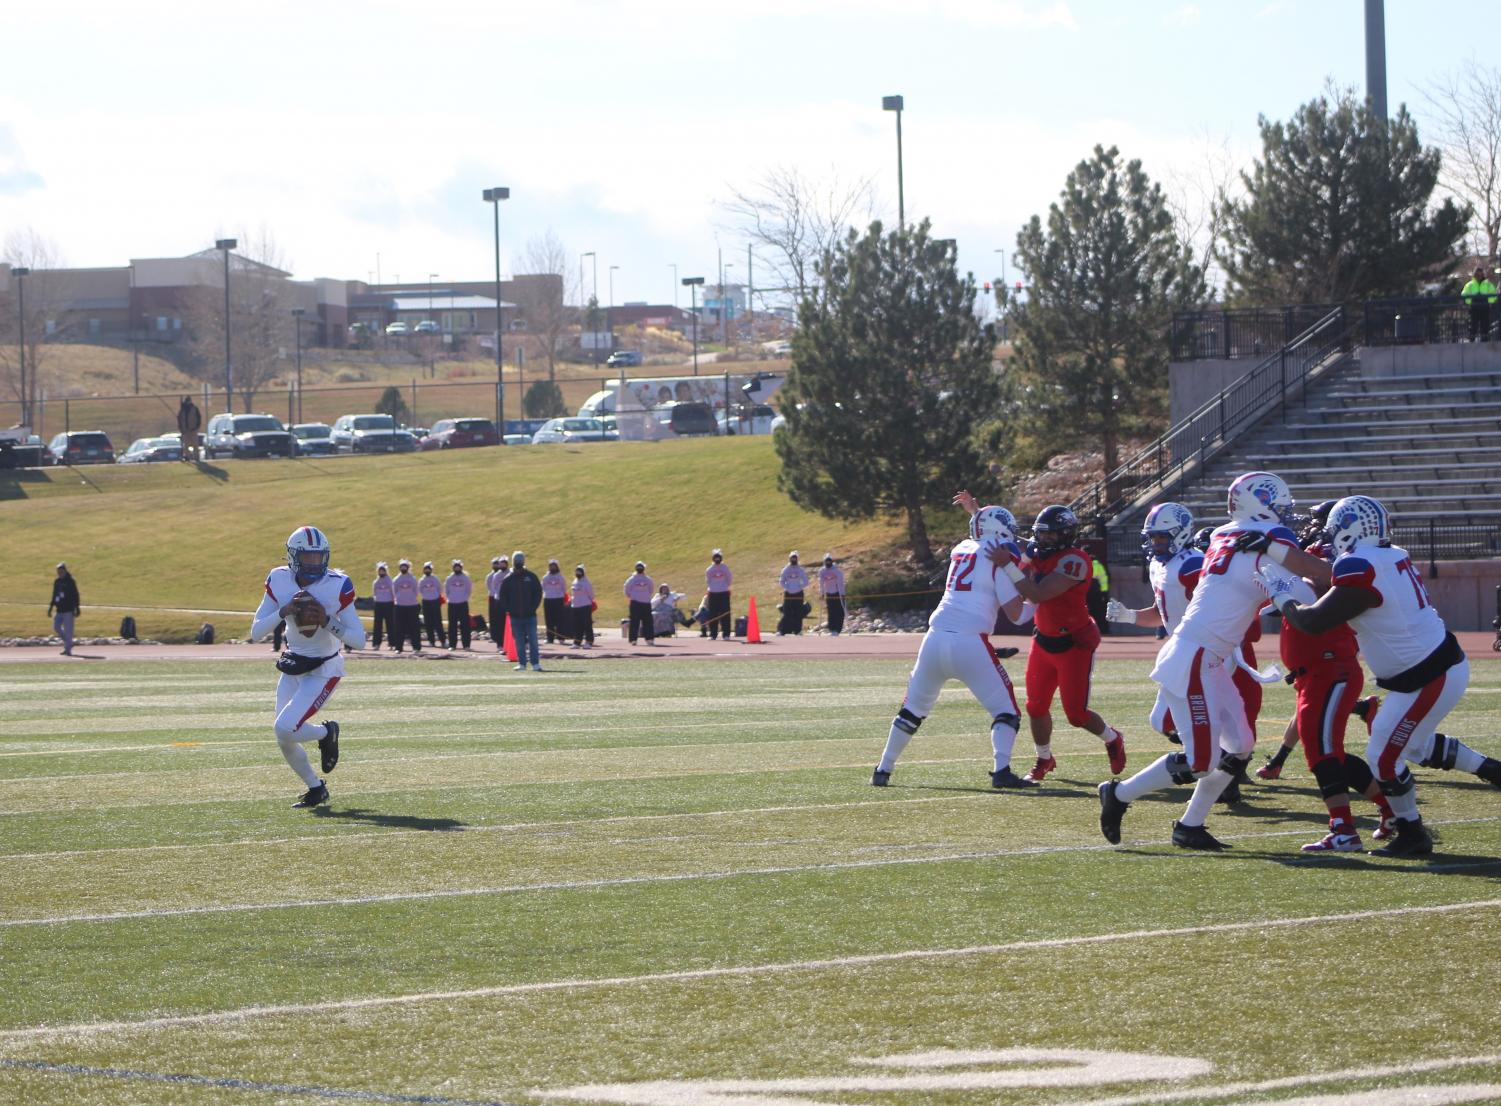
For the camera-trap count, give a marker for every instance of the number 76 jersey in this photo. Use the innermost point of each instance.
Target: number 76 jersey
(1403, 627)
(973, 593)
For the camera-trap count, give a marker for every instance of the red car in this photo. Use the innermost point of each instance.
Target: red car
(458, 433)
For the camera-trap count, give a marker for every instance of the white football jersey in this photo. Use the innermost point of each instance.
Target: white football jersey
(1403, 627)
(973, 594)
(335, 591)
(1173, 582)
(1230, 591)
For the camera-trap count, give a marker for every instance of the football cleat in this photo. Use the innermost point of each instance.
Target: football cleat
(1115, 749)
(313, 796)
(1412, 839)
(1366, 709)
(1335, 843)
(1039, 771)
(1006, 779)
(1269, 771)
(1490, 771)
(1231, 795)
(1112, 810)
(328, 746)
(879, 778)
(1196, 837)
(1387, 829)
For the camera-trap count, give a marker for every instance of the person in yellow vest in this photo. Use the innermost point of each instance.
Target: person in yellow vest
(1099, 595)
(1479, 293)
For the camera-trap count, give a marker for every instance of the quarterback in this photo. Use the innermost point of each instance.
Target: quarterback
(957, 646)
(318, 605)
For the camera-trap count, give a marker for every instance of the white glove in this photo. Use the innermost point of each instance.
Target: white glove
(1116, 611)
(1280, 588)
(1029, 609)
(1013, 572)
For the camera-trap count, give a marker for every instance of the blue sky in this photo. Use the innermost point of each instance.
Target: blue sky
(347, 131)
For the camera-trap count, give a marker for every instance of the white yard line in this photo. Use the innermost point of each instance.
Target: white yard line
(839, 963)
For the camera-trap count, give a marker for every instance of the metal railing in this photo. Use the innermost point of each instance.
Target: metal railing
(1187, 446)
(1416, 321)
(1239, 333)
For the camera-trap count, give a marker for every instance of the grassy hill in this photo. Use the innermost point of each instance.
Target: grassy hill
(201, 538)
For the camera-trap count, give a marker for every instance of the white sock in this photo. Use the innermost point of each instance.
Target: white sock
(1001, 739)
(1405, 806)
(1466, 759)
(1206, 792)
(296, 756)
(1044, 752)
(1154, 777)
(896, 741)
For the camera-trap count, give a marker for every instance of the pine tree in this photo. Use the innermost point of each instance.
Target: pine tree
(890, 371)
(1104, 276)
(1338, 208)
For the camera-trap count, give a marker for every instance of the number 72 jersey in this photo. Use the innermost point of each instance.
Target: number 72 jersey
(973, 593)
(1403, 627)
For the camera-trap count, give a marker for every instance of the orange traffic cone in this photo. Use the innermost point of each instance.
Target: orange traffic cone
(508, 643)
(752, 624)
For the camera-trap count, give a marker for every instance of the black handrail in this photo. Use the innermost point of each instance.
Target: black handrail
(1203, 434)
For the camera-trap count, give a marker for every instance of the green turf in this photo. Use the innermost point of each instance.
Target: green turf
(149, 538)
(543, 858)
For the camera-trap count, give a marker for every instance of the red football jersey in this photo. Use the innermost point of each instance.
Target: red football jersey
(1066, 613)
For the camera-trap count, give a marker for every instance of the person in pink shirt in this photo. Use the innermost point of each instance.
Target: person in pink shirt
(831, 584)
(383, 593)
(581, 609)
(639, 589)
(718, 578)
(408, 600)
(457, 589)
(431, 590)
(555, 602)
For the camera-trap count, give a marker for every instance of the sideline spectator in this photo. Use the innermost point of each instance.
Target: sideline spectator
(1098, 596)
(499, 570)
(1480, 294)
(520, 595)
(65, 603)
(581, 609)
(404, 584)
(189, 422)
(666, 617)
(638, 589)
(555, 602)
(431, 590)
(718, 579)
(794, 583)
(457, 589)
(383, 594)
(831, 584)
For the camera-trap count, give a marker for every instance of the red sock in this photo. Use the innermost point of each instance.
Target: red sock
(1382, 805)
(1341, 820)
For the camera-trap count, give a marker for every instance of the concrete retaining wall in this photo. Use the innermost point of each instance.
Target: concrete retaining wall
(1434, 359)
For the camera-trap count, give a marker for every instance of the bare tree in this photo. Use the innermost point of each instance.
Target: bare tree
(1196, 195)
(46, 321)
(796, 220)
(1466, 108)
(542, 301)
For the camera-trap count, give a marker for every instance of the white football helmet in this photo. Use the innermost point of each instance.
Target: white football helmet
(307, 554)
(1260, 497)
(1357, 520)
(993, 522)
(1168, 528)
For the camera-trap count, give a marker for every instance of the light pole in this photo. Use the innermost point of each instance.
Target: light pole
(693, 283)
(227, 244)
(493, 196)
(673, 265)
(894, 103)
(297, 314)
(20, 273)
(130, 328)
(432, 355)
(1001, 299)
(724, 297)
(610, 314)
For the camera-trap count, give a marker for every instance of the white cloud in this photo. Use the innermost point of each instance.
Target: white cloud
(1185, 16)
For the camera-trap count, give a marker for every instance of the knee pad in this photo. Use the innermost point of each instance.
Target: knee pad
(1178, 768)
(1402, 785)
(906, 721)
(1445, 751)
(1358, 773)
(1232, 764)
(1333, 780)
(1012, 720)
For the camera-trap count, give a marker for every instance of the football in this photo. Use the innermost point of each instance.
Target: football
(307, 614)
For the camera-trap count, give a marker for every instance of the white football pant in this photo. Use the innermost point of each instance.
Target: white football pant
(298, 698)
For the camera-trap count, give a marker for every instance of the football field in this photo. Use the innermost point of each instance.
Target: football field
(671, 883)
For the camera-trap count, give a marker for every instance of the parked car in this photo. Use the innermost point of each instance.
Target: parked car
(406, 442)
(418, 432)
(244, 436)
(314, 439)
(152, 449)
(755, 420)
(570, 430)
(396, 330)
(612, 428)
(687, 420)
(426, 326)
(623, 357)
(81, 447)
(460, 433)
(367, 434)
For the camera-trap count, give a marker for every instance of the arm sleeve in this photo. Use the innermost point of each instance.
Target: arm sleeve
(347, 627)
(267, 615)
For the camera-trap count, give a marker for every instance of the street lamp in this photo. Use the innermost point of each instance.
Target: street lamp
(297, 314)
(432, 356)
(693, 283)
(725, 295)
(20, 272)
(673, 265)
(493, 196)
(894, 103)
(610, 315)
(227, 244)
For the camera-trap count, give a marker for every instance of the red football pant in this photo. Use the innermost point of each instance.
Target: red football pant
(1250, 690)
(1066, 673)
(1326, 696)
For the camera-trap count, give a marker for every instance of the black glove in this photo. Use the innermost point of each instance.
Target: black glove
(1005, 652)
(1253, 541)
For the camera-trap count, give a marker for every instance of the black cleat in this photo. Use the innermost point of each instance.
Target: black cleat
(315, 796)
(1006, 780)
(1413, 839)
(1231, 795)
(1490, 771)
(879, 778)
(1196, 837)
(328, 746)
(1173, 738)
(1006, 652)
(1112, 810)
